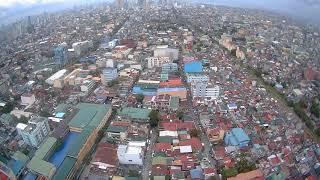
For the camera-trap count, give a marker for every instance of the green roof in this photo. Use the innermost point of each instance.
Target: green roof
(166, 139)
(38, 163)
(174, 103)
(41, 167)
(76, 145)
(45, 148)
(135, 113)
(159, 160)
(65, 168)
(62, 108)
(18, 155)
(117, 129)
(89, 115)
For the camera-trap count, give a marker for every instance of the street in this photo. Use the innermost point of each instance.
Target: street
(147, 165)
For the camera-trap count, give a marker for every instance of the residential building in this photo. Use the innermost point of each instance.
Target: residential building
(198, 89)
(165, 51)
(27, 99)
(157, 61)
(212, 92)
(180, 92)
(81, 47)
(237, 137)
(108, 75)
(129, 154)
(88, 86)
(35, 131)
(117, 133)
(169, 67)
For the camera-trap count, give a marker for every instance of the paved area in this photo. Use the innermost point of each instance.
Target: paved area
(147, 165)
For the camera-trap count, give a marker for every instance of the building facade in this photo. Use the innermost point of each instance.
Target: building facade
(35, 131)
(108, 75)
(61, 55)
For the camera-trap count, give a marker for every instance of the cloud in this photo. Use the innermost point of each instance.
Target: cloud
(11, 3)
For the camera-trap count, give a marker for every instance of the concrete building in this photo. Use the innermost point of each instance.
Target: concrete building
(198, 89)
(61, 55)
(129, 154)
(169, 67)
(196, 77)
(237, 137)
(27, 99)
(35, 131)
(157, 61)
(212, 92)
(108, 75)
(193, 67)
(87, 86)
(80, 47)
(165, 51)
(56, 78)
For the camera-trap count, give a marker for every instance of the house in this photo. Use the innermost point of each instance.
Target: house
(163, 147)
(256, 174)
(117, 132)
(237, 137)
(215, 135)
(195, 143)
(196, 174)
(105, 157)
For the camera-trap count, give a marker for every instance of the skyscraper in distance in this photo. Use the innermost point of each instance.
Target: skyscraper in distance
(60, 55)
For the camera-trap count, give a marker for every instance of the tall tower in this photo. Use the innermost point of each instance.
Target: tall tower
(120, 4)
(30, 26)
(60, 55)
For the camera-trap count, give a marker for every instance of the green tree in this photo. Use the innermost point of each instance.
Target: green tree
(180, 115)
(315, 110)
(194, 133)
(45, 113)
(139, 98)
(7, 108)
(154, 118)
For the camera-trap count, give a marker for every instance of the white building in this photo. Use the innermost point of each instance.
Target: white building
(27, 99)
(80, 47)
(164, 51)
(108, 75)
(35, 131)
(212, 92)
(196, 77)
(157, 61)
(87, 86)
(112, 43)
(56, 76)
(130, 154)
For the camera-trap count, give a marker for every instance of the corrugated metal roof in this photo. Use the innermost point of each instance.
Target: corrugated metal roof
(65, 168)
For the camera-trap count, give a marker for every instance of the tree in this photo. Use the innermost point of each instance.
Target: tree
(315, 110)
(154, 118)
(180, 115)
(133, 173)
(139, 98)
(7, 108)
(194, 133)
(45, 113)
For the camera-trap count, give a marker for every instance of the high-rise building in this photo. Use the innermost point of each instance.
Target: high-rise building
(30, 26)
(60, 55)
(35, 131)
(120, 4)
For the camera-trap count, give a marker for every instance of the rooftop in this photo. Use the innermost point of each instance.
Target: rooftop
(89, 115)
(135, 113)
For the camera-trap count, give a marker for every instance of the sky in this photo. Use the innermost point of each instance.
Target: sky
(308, 10)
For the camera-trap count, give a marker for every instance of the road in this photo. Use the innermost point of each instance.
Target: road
(147, 165)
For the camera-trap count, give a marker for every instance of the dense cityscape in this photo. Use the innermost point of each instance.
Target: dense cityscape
(139, 89)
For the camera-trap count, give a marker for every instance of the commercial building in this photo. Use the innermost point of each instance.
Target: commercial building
(196, 77)
(56, 77)
(108, 75)
(165, 51)
(193, 67)
(169, 67)
(35, 131)
(212, 92)
(87, 123)
(146, 87)
(180, 92)
(129, 154)
(61, 55)
(39, 164)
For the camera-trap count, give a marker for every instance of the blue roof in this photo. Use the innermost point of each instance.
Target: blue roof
(196, 173)
(193, 67)
(240, 135)
(171, 89)
(30, 176)
(57, 158)
(60, 115)
(16, 165)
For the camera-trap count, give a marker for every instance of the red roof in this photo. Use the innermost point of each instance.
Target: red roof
(194, 142)
(160, 147)
(106, 153)
(160, 170)
(209, 171)
(179, 125)
(171, 83)
(3, 176)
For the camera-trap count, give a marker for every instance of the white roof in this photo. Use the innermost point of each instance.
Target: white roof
(169, 133)
(57, 75)
(133, 150)
(185, 149)
(137, 143)
(21, 126)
